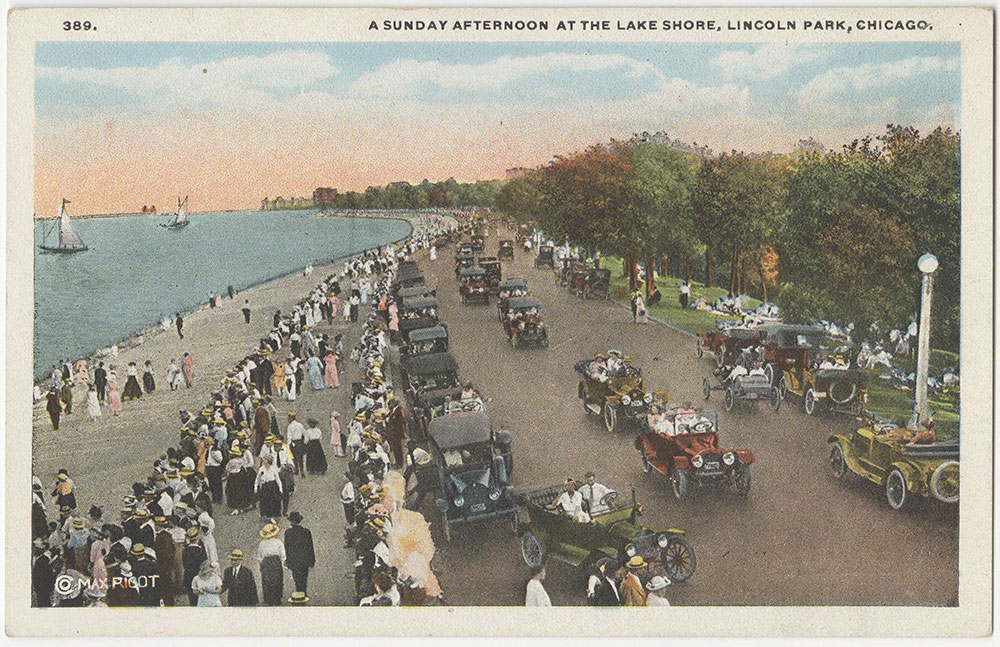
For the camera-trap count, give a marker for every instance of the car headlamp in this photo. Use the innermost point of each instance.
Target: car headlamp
(630, 550)
(729, 458)
(648, 398)
(626, 400)
(459, 501)
(442, 505)
(662, 540)
(698, 461)
(494, 494)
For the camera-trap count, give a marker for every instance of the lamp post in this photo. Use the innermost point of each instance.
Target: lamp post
(927, 264)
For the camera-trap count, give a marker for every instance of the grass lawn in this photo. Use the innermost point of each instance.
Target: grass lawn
(883, 400)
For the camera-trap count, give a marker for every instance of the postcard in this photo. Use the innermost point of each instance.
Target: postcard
(500, 315)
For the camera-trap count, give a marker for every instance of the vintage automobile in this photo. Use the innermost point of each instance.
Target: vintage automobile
(478, 243)
(728, 342)
(879, 453)
(510, 287)
(494, 271)
(474, 288)
(612, 388)
(823, 382)
(683, 445)
(418, 291)
(470, 470)
(463, 262)
(464, 249)
(545, 257)
(416, 313)
(782, 341)
(597, 284)
(523, 323)
(424, 373)
(524, 231)
(613, 533)
(753, 387)
(506, 250)
(424, 341)
(409, 277)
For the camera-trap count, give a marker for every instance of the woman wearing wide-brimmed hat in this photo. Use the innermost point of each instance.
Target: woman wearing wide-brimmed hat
(208, 586)
(271, 555)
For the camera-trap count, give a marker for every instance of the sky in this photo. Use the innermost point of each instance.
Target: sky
(122, 125)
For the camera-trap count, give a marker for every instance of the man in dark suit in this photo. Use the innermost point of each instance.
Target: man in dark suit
(299, 553)
(239, 581)
(100, 380)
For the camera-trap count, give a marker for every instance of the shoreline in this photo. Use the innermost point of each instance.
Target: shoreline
(137, 337)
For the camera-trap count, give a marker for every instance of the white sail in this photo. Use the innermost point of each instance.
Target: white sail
(67, 237)
(181, 216)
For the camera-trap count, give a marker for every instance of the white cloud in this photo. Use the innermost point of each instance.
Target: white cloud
(868, 76)
(220, 81)
(766, 62)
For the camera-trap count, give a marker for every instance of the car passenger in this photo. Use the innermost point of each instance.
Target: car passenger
(570, 503)
(738, 371)
(468, 392)
(593, 494)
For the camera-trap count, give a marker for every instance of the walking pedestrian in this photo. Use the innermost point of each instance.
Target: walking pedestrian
(180, 325)
(232, 292)
(656, 584)
(300, 555)
(207, 585)
(331, 376)
(187, 366)
(148, 383)
(238, 580)
(336, 438)
(246, 310)
(114, 397)
(296, 436)
(54, 407)
(132, 390)
(268, 489)
(685, 294)
(535, 594)
(192, 558)
(100, 380)
(93, 404)
(271, 556)
(315, 456)
(66, 396)
(632, 591)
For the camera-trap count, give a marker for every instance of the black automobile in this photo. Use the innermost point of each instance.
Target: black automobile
(545, 257)
(464, 249)
(408, 277)
(470, 470)
(598, 284)
(506, 250)
(423, 373)
(424, 341)
(463, 262)
(416, 313)
(474, 288)
(478, 243)
(494, 271)
(523, 323)
(418, 291)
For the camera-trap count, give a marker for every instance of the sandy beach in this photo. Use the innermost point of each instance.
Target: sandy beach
(105, 456)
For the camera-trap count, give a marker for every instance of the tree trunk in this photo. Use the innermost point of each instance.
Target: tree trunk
(708, 266)
(687, 269)
(763, 285)
(625, 265)
(733, 287)
(665, 261)
(650, 280)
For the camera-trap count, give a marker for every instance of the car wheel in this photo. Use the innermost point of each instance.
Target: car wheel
(465, 300)
(700, 350)
(720, 357)
(610, 416)
(706, 388)
(532, 550)
(838, 461)
(679, 560)
(809, 403)
(775, 398)
(680, 482)
(730, 398)
(944, 482)
(783, 387)
(843, 391)
(545, 339)
(646, 466)
(895, 489)
(513, 341)
(769, 372)
(742, 479)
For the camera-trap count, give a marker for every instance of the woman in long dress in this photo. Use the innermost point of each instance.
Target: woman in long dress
(332, 377)
(434, 252)
(208, 586)
(290, 385)
(132, 390)
(187, 366)
(268, 489)
(148, 383)
(334, 306)
(114, 397)
(641, 315)
(315, 456)
(238, 496)
(315, 368)
(336, 438)
(93, 405)
(271, 556)
(278, 379)
(81, 371)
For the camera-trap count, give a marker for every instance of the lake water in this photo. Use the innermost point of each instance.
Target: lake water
(137, 272)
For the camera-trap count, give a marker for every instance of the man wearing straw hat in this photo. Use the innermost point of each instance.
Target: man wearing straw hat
(193, 557)
(633, 593)
(239, 581)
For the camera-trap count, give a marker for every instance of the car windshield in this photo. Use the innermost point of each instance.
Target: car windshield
(434, 382)
(695, 422)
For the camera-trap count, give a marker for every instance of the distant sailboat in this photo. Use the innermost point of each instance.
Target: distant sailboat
(180, 218)
(69, 242)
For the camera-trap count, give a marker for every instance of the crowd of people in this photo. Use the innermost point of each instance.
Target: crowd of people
(233, 453)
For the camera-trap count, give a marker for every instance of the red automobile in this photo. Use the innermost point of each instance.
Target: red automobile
(683, 445)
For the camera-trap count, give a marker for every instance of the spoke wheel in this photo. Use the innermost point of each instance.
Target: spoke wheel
(809, 403)
(720, 358)
(730, 398)
(838, 461)
(742, 479)
(706, 388)
(679, 560)
(700, 350)
(944, 482)
(646, 466)
(775, 398)
(680, 482)
(610, 416)
(532, 550)
(895, 489)
(769, 372)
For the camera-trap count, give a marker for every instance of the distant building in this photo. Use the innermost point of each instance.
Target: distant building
(324, 194)
(516, 172)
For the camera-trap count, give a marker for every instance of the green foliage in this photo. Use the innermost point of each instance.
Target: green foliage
(665, 199)
(403, 195)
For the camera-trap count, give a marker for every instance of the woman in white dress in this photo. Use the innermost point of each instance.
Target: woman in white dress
(93, 405)
(290, 386)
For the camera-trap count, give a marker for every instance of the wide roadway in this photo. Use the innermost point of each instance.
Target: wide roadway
(801, 537)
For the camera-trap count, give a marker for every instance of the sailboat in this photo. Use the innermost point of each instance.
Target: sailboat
(69, 242)
(180, 218)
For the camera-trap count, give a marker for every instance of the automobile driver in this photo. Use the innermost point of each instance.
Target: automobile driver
(738, 371)
(468, 392)
(570, 503)
(659, 422)
(593, 494)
